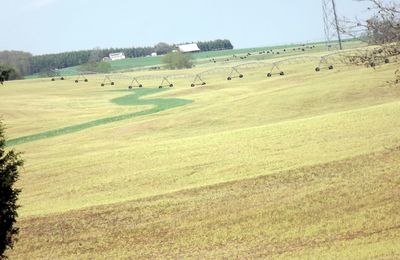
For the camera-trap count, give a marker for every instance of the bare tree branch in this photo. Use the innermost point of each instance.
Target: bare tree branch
(382, 29)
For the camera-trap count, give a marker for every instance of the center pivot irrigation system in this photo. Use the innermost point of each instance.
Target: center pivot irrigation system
(81, 77)
(138, 81)
(107, 81)
(325, 62)
(235, 74)
(55, 75)
(198, 81)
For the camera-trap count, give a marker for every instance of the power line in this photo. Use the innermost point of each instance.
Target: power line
(331, 23)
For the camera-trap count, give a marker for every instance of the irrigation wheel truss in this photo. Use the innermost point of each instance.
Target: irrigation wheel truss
(234, 72)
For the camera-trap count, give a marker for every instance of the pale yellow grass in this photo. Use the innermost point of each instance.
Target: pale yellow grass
(303, 165)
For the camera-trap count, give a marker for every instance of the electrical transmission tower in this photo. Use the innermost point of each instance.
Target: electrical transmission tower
(331, 23)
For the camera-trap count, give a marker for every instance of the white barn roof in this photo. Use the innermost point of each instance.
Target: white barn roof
(188, 47)
(117, 56)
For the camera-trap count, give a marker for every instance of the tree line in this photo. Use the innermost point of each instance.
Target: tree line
(215, 45)
(16, 63)
(24, 63)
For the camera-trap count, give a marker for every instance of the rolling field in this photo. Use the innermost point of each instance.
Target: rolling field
(303, 165)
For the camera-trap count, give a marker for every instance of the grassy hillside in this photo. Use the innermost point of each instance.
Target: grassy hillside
(305, 165)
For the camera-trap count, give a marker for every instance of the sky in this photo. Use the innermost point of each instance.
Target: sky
(52, 26)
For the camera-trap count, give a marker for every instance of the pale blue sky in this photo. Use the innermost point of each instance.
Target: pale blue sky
(50, 26)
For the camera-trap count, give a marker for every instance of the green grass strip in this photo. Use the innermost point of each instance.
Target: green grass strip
(132, 99)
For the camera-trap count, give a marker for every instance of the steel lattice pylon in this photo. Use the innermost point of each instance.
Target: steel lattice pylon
(331, 23)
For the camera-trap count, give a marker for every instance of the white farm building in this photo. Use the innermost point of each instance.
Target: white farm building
(117, 56)
(192, 47)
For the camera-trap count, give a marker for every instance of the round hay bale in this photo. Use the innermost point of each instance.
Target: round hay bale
(76, 81)
(241, 76)
(269, 75)
(317, 69)
(203, 83)
(159, 86)
(192, 85)
(330, 67)
(130, 87)
(387, 60)
(140, 85)
(102, 84)
(86, 80)
(112, 83)
(53, 79)
(281, 73)
(229, 78)
(171, 85)
(62, 78)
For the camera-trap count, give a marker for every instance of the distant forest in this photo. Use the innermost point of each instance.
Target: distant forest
(25, 63)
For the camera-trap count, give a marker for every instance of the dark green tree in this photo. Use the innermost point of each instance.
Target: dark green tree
(4, 75)
(96, 55)
(10, 164)
(8, 73)
(162, 48)
(97, 67)
(178, 60)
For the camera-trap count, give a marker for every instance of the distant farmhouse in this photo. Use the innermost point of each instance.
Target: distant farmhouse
(192, 47)
(117, 56)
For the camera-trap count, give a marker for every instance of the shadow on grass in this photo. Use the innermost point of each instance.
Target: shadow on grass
(133, 99)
